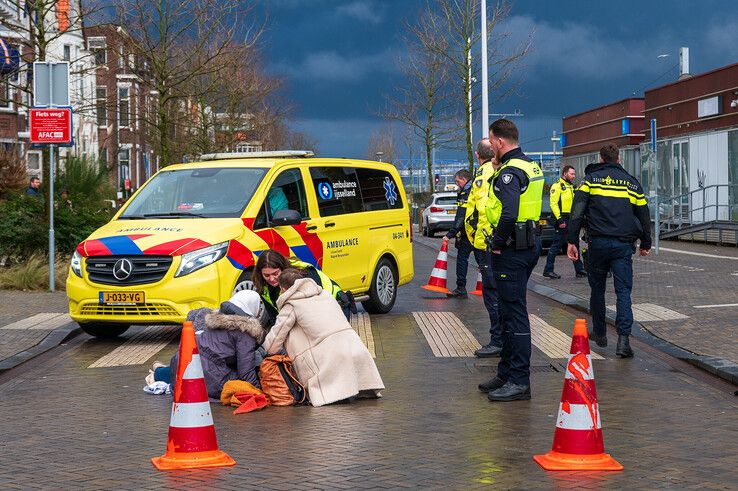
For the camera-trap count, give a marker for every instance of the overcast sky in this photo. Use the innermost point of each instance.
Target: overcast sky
(339, 57)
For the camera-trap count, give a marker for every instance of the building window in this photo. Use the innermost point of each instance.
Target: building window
(102, 106)
(124, 107)
(121, 58)
(124, 161)
(67, 52)
(5, 93)
(33, 163)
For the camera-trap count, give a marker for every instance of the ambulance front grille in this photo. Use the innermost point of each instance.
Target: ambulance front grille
(144, 269)
(146, 309)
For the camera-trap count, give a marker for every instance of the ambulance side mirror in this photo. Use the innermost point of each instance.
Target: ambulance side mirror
(286, 217)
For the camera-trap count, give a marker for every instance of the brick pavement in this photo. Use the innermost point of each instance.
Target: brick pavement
(431, 429)
(678, 281)
(18, 345)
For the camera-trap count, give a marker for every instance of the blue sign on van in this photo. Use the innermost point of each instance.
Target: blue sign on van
(325, 190)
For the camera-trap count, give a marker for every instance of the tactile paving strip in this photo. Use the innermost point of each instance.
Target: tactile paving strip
(446, 334)
(550, 340)
(44, 320)
(362, 324)
(139, 347)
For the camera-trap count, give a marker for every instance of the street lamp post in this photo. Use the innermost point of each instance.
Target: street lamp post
(485, 95)
(379, 156)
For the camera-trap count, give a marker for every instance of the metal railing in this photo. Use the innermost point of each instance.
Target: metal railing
(714, 202)
(706, 204)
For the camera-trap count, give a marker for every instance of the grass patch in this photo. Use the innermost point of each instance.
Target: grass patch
(33, 274)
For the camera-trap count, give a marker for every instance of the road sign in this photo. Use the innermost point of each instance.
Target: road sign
(51, 125)
(51, 83)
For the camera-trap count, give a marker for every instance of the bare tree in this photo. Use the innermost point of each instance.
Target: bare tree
(457, 28)
(422, 102)
(183, 41)
(382, 140)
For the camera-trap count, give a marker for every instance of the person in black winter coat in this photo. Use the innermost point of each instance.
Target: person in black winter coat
(227, 340)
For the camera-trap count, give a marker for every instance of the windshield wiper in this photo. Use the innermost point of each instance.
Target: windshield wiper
(174, 214)
(132, 217)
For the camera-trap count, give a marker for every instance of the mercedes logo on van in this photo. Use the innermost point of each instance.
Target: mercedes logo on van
(122, 269)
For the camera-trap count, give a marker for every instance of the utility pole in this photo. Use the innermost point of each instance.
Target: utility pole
(485, 88)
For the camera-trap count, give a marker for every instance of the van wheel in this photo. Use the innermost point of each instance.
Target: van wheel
(244, 282)
(383, 289)
(104, 330)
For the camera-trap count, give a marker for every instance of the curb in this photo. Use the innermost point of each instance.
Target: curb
(725, 369)
(54, 339)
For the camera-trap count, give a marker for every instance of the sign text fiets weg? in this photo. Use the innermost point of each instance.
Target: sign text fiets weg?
(51, 125)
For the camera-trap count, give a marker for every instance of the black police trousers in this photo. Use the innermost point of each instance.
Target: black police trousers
(511, 269)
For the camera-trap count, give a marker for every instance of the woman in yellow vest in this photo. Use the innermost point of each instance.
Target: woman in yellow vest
(266, 273)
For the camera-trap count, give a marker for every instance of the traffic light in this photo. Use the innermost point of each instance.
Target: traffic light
(438, 178)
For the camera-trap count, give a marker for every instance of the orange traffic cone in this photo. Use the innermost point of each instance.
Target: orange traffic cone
(578, 443)
(437, 281)
(192, 443)
(478, 289)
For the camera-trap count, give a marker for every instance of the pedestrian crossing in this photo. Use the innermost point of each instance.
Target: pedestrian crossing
(649, 312)
(445, 334)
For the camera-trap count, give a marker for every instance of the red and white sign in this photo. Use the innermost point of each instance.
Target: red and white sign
(51, 125)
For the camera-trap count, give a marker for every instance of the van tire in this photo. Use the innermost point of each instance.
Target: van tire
(244, 282)
(104, 330)
(383, 289)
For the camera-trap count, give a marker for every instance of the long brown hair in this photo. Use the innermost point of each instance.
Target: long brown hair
(268, 259)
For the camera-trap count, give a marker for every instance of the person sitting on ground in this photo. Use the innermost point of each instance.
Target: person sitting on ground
(266, 281)
(329, 358)
(227, 340)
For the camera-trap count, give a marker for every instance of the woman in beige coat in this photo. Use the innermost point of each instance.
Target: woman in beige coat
(329, 358)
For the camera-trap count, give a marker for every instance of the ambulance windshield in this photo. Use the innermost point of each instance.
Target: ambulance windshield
(188, 193)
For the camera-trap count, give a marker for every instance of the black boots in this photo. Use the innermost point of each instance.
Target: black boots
(623, 349)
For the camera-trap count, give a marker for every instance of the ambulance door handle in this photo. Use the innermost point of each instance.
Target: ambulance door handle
(330, 224)
(311, 227)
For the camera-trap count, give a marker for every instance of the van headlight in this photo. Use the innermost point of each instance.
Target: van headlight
(192, 261)
(76, 264)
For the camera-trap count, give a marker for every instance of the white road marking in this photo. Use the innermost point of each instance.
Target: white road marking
(554, 343)
(446, 334)
(701, 254)
(716, 306)
(362, 324)
(138, 348)
(648, 312)
(44, 320)
(691, 269)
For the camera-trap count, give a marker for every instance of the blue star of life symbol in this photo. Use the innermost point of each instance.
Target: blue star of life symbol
(389, 191)
(325, 191)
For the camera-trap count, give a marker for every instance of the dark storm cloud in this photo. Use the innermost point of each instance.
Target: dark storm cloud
(340, 57)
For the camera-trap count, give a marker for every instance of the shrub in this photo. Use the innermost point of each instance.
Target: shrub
(13, 176)
(33, 274)
(85, 180)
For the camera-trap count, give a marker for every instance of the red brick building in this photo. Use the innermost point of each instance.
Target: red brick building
(122, 103)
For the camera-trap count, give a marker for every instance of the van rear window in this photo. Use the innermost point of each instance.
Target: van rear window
(210, 192)
(378, 190)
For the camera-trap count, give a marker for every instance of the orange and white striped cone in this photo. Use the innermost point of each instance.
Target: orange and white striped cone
(578, 443)
(478, 289)
(439, 275)
(192, 443)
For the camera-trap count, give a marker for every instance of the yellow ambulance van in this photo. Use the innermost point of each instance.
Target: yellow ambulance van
(190, 237)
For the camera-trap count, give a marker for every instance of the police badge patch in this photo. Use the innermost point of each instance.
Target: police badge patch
(478, 183)
(506, 178)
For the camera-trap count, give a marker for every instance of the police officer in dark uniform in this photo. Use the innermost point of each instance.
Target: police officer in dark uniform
(463, 181)
(617, 216)
(513, 209)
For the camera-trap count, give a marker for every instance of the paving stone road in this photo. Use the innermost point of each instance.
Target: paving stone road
(68, 426)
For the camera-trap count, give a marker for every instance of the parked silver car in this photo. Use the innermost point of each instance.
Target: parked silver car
(439, 214)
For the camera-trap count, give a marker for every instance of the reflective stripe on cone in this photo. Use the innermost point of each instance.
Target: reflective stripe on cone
(439, 275)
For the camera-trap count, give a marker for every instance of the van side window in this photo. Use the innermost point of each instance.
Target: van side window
(378, 190)
(337, 190)
(286, 193)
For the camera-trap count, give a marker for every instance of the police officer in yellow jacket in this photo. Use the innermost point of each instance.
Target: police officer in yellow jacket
(513, 209)
(477, 228)
(561, 197)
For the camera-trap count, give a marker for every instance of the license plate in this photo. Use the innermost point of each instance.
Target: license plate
(451, 212)
(122, 298)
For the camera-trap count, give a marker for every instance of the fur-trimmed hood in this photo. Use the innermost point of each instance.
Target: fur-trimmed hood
(244, 323)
